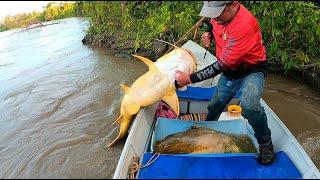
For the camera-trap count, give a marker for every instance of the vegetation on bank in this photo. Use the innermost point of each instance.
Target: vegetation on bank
(133, 25)
(52, 11)
(291, 30)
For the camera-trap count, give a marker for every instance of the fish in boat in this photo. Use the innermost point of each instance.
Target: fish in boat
(202, 140)
(155, 85)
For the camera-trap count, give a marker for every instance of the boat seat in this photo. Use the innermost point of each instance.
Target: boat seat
(198, 93)
(226, 166)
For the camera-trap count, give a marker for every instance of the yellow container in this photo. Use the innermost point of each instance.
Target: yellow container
(234, 110)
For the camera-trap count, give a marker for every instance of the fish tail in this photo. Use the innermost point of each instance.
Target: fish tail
(115, 140)
(124, 126)
(118, 120)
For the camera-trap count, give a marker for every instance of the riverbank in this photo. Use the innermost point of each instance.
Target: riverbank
(308, 75)
(127, 48)
(291, 31)
(52, 11)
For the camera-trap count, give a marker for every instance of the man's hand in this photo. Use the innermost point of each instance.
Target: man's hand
(182, 78)
(206, 39)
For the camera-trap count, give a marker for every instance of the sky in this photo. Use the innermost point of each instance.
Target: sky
(15, 7)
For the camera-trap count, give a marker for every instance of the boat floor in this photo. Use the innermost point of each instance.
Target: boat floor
(217, 166)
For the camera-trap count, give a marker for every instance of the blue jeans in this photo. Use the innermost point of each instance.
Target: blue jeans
(251, 88)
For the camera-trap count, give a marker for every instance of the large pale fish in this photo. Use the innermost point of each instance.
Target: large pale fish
(155, 85)
(203, 140)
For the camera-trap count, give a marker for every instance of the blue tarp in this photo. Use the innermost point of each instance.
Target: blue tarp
(229, 166)
(198, 93)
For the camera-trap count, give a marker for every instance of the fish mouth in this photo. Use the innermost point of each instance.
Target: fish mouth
(193, 58)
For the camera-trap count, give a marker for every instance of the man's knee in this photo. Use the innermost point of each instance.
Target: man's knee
(216, 103)
(251, 109)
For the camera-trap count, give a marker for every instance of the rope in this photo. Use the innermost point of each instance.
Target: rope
(135, 165)
(133, 168)
(194, 26)
(151, 160)
(195, 33)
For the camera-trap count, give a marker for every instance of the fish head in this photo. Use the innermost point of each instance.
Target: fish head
(178, 59)
(193, 58)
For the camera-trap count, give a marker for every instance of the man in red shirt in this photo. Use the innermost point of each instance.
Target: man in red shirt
(241, 58)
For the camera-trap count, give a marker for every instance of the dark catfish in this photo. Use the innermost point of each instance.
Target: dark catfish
(203, 140)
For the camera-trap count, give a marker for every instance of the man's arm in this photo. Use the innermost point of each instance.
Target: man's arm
(210, 71)
(206, 73)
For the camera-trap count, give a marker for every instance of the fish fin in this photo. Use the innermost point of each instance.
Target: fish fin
(148, 62)
(115, 141)
(125, 120)
(124, 127)
(172, 100)
(118, 120)
(132, 109)
(124, 88)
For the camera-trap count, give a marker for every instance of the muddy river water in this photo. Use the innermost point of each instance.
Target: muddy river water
(59, 97)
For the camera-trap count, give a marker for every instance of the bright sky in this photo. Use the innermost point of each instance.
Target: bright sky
(15, 7)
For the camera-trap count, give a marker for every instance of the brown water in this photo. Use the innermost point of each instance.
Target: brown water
(300, 114)
(58, 99)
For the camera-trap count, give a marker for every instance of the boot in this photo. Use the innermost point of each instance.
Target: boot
(266, 155)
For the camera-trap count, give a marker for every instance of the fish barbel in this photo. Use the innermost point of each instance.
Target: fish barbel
(155, 85)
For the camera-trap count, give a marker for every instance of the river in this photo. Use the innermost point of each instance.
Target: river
(58, 99)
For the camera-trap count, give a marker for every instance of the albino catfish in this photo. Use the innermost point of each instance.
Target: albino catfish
(155, 85)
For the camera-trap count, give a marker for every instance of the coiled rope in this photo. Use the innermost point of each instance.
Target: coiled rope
(135, 165)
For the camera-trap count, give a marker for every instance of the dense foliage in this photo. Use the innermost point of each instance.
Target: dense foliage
(137, 22)
(291, 30)
(52, 11)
